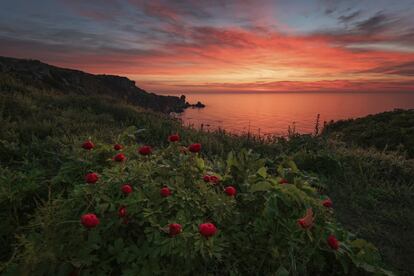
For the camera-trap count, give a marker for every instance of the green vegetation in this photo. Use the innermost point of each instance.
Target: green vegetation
(257, 230)
(67, 81)
(392, 131)
(43, 194)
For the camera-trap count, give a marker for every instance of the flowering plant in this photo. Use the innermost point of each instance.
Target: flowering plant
(170, 218)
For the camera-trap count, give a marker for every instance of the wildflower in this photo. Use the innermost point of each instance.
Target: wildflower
(230, 191)
(126, 189)
(89, 220)
(122, 212)
(165, 192)
(333, 242)
(207, 229)
(195, 148)
(327, 203)
(174, 229)
(91, 178)
(307, 221)
(88, 145)
(118, 147)
(120, 157)
(145, 150)
(174, 138)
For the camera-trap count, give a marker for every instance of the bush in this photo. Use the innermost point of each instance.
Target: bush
(258, 229)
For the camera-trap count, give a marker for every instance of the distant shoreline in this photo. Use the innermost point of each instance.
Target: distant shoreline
(279, 92)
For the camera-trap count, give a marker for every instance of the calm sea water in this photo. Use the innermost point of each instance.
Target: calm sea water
(273, 113)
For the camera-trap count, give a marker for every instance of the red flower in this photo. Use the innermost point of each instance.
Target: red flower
(283, 181)
(207, 229)
(118, 147)
(91, 178)
(126, 189)
(214, 179)
(333, 242)
(175, 229)
(230, 191)
(120, 157)
(165, 192)
(145, 150)
(206, 178)
(89, 220)
(122, 212)
(195, 148)
(174, 138)
(88, 145)
(327, 203)
(307, 221)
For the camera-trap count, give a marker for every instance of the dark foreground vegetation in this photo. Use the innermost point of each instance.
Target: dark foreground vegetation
(43, 195)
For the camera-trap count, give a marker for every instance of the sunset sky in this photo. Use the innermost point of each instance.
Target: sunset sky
(218, 45)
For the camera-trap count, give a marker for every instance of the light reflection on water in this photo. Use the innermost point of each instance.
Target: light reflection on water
(273, 113)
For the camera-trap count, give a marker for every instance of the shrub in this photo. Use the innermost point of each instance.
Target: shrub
(198, 229)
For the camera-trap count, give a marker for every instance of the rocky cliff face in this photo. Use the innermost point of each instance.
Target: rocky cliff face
(44, 76)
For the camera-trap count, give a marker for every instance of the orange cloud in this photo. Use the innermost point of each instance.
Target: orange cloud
(237, 57)
(173, 49)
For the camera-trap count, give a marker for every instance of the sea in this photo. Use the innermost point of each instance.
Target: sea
(267, 113)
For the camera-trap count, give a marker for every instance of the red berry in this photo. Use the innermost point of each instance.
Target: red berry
(165, 192)
(122, 212)
(207, 229)
(118, 147)
(195, 148)
(145, 150)
(89, 220)
(88, 145)
(230, 191)
(333, 242)
(174, 229)
(206, 178)
(91, 178)
(174, 138)
(126, 189)
(120, 157)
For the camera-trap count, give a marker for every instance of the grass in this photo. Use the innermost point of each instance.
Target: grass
(389, 131)
(372, 190)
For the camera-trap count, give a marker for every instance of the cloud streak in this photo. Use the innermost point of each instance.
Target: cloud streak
(195, 45)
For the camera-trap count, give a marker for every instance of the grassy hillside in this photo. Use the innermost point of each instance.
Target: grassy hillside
(391, 131)
(42, 165)
(67, 81)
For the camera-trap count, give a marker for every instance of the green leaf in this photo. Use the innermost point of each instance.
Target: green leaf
(200, 163)
(292, 165)
(261, 186)
(262, 172)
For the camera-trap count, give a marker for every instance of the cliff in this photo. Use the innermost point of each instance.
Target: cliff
(45, 76)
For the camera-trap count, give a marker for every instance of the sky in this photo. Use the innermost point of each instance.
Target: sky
(217, 45)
